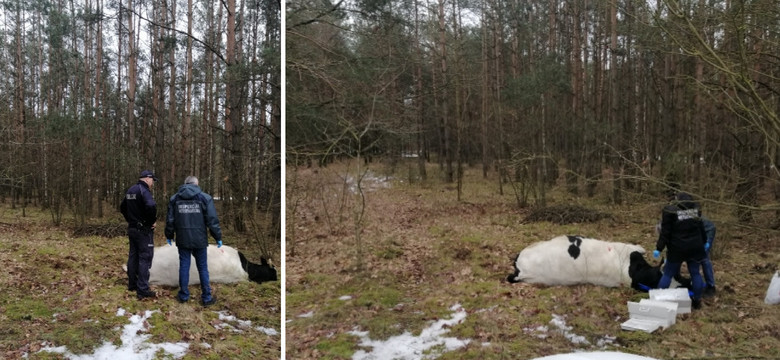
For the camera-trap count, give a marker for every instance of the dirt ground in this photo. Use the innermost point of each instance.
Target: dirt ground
(416, 251)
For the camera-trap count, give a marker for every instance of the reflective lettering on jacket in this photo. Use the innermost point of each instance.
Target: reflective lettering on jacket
(188, 208)
(687, 214)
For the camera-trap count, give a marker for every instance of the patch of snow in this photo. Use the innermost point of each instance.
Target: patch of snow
(565, 330)
(606, 340)
(236, 325)
(409, 347)
(307, 315)
(134, 345)
(267, 331)
(345, 298)
(559, 325)
(540, 331)
(369, 182)
(134, 340)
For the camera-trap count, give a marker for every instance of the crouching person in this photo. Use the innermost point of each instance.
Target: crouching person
(191, 217)
(683, 235)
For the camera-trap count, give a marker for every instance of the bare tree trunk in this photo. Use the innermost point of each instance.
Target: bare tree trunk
(19, 105)
(485, 92)
(445, 91)
(613, 104)
(419, 107)
(233, 119)
(498, 112)
(103, 148)
(186, 136)
(175, 163)
(132, 59)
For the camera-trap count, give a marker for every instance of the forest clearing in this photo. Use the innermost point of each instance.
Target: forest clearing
(423, 259)
(65, 295)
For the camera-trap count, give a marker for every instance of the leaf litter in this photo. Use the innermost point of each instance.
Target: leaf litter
(419, 240)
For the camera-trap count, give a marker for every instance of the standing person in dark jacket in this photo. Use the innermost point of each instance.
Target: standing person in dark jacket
(706, 265)
(191, 215)
(140, 212)
(682, 233)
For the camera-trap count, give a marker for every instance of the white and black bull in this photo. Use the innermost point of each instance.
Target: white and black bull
(570, 260)
(226, 265)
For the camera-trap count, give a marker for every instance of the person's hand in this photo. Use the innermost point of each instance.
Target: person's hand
(656, 254)
(219, 244)
(169, 242)
(707, 246)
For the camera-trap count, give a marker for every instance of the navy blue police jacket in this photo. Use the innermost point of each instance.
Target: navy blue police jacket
(138, 206)
(191, 216)
(682, 231)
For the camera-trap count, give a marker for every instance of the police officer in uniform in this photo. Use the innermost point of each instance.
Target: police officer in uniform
(140, 212)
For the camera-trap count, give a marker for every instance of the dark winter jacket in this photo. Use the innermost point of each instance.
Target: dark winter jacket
(138, 207)
(191, 213)
(682, 230)
(709, 229)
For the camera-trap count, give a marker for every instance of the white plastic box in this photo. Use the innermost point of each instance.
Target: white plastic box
(679, 295)
(650, 315)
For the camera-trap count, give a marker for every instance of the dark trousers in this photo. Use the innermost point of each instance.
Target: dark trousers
(671, 269)
(139, 260)
(201, 261)
(709, 274)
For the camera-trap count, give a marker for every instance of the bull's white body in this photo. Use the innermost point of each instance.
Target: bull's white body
(599, 262)
(597, 355)
(224, 266)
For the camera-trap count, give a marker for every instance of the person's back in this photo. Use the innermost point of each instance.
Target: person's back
(190, 213)
(682, 233)
(192, 217)
(682, 230)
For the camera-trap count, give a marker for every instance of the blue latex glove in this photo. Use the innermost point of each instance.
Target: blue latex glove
(707, 246)
(169, 242)
(656, 254)
(219, 244)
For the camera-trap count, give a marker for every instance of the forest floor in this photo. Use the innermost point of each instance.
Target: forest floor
(427, 275)
(64, 294)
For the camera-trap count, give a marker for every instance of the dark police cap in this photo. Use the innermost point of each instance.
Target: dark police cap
(148, 174)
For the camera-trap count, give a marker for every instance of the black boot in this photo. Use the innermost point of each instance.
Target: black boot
(696, 304)
(146, 294)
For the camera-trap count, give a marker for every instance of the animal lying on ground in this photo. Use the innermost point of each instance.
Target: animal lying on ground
(645, 276)
(569, 260)
(226, 265)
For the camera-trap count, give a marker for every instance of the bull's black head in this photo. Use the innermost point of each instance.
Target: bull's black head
(258, 273)
(512, 278)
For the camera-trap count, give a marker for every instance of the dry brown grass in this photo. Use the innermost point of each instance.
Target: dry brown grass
(423, 251)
